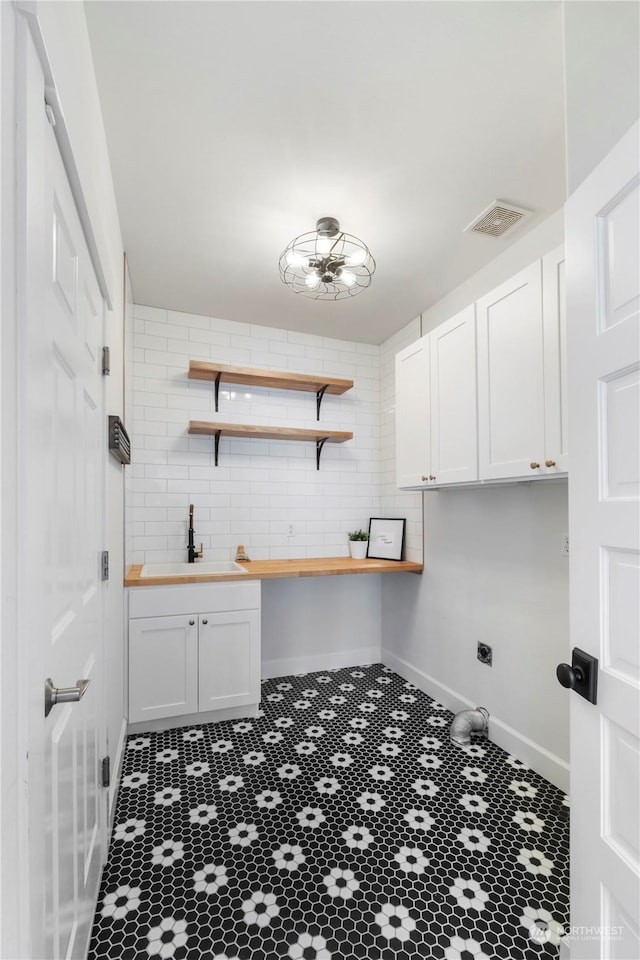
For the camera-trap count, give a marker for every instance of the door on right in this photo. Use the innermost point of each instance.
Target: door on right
(603, 315)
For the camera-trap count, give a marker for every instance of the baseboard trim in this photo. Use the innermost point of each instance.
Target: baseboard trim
(290, 666)
(193, 719)
(547, 764)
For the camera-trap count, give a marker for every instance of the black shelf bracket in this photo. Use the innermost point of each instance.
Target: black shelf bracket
(319, 395)
(319, 445)
(216, 446)
(216, 393)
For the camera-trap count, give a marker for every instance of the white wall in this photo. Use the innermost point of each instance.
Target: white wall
(259, 486)
(493, 572)
(314, 623)
(602, 80)
(539, 240)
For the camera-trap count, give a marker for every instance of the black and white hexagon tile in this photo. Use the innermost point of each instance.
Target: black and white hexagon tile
(340, 823)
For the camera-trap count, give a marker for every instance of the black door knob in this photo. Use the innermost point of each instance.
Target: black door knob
(569, 676)
(581, 676)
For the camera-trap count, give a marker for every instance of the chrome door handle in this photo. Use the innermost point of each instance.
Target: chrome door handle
(54, 695)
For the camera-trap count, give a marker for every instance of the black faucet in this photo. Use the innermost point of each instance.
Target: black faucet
(191, 550)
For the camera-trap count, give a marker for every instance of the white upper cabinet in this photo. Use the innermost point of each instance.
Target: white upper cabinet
(556, 447)
(511, 379)
(413, 430)
(454, 430)
(482, 397)
(436, 432)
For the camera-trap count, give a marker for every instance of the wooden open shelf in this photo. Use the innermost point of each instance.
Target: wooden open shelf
(217, 430)
(274, 379)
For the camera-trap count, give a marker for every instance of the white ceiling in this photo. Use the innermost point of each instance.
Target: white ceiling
(232, 126)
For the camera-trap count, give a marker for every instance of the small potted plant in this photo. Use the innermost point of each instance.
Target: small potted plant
(358, 542)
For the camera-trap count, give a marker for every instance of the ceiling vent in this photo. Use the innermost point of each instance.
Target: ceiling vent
(497, 219)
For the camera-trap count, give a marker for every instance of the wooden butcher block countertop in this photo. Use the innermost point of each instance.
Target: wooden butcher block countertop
(281, 569)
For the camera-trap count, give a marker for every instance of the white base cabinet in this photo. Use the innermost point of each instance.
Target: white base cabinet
(229, 659)
(163, 667)
(202, 654)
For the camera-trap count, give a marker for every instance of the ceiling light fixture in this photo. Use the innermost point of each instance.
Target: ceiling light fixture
(327, 264)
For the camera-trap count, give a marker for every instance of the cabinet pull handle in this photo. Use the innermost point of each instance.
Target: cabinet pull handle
(205, 621)
(549, 463)
(534, 465)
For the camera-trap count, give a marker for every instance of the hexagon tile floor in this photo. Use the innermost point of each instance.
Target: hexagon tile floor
(340, 823)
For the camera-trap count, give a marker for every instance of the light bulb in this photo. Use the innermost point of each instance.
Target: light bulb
(312, 280)
(323, 244)
(295, 259)
(357, 258)
(347, 277)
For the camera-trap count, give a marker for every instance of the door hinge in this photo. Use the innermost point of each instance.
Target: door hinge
(105, 564)
(106, 361)
(50, 113)
(106, 771)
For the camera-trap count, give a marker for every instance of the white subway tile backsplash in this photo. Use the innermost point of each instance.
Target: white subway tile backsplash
(145, 342)
(141, 312)
(260, 486)
(215, 338)
(190, 320)
(155, 329)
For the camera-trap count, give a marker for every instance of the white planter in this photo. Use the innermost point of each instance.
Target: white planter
(358, 549)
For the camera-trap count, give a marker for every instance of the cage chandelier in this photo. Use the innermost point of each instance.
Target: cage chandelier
(327, 264)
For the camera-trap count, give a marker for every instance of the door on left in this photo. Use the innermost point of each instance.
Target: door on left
(61, 458)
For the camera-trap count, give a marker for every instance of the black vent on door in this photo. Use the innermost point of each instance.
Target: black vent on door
(119, 443)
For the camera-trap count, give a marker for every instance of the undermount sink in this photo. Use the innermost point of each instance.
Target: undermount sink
(206, 568)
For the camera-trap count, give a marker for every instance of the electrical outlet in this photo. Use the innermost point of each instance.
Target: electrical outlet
(564, 545)
(292, 529)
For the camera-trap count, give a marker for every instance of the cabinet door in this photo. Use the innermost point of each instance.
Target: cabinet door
(229, 654)
(454, 418)
(510, 378)
(555, 363)
(413, 432)
(163, 667)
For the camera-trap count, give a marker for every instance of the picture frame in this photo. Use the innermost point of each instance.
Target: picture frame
(386, 538)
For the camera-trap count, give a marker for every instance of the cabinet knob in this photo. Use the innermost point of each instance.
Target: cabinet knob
(431, 476)
(191, 623)
(205, 621)
(534, 465)
(549, 463)
(424, 478)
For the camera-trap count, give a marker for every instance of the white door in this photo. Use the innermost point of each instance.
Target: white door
(603, 312)
(454, 408)
(62, 439)
(413, 427)
(510, 378)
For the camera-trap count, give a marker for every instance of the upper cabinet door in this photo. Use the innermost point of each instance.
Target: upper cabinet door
(556, 454)
(511, 379)
(413, 434)
(454, 428)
